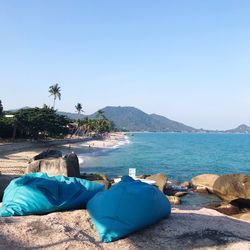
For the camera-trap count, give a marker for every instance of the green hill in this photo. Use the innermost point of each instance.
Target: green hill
(133, 119)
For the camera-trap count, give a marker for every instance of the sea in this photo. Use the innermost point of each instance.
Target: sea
(180, 156)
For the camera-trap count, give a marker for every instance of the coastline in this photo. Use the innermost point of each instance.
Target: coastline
(15, 156)
(63, 230)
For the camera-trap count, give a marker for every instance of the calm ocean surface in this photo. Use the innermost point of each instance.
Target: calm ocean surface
(179, 156)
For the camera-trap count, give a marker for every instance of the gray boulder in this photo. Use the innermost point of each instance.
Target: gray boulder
(67, 166)
(160, 179)
(49, 153)
(233, 188)
(72, 164)
(205, 181)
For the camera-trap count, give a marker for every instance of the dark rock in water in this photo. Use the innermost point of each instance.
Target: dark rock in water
(72, 163)
(68, 166)
(173, 189)
(234, 188)
(205, 180)
(4, 182)
(227, 209)
(160, 179)
(50, 153)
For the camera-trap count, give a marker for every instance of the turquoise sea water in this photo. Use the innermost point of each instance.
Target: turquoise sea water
(180, 156)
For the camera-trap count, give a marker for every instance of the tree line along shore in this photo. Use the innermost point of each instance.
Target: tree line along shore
(42, 123)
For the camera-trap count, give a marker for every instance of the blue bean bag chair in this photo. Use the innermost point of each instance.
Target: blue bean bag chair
(127, 207)
(37, 193)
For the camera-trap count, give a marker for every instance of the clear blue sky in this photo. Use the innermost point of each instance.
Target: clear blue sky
(187, 60)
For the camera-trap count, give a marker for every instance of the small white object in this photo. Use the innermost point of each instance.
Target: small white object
(132, 172)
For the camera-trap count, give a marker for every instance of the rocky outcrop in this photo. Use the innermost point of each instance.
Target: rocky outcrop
(233, 188)
(243, 216)
(205, 180)
(50, 153)
(68, 166)
(72, 165)
(186, 228)
(160, 179)
(227, 209)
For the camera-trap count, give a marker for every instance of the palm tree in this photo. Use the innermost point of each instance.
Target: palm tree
(55, 90)
(79, 108)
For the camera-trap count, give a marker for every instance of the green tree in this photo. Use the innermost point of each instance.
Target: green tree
(1, 108)
(55, 91)
(79, 108)
(40, 122)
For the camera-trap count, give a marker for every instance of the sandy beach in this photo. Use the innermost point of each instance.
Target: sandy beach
(14, 156)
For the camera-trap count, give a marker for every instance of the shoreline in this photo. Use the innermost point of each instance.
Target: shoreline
(14, 156)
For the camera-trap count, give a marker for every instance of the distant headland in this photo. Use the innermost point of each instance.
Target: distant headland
(133, 119)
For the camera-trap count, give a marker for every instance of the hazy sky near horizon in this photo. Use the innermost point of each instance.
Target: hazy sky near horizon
(187, 60)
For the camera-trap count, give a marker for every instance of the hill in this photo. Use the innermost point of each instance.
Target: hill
(73, 116)
(244, 129)
(133, 119)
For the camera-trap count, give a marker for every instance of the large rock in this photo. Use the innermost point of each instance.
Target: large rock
(49, 153)
(186, 228)
(205, 180)
(245, 216)
(72, 163)
(160, 179)
(233, 188)
(227, 209)
(67, 166)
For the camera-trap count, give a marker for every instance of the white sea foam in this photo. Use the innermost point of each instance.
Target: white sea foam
(86, 156)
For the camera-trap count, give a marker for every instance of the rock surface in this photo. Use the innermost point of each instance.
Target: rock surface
(187, 228)
(228, 209)
(174, 200)
(68, 166)
(50, 153)
(160, 179)
(205, 180)
(72, 165)
(233, 187)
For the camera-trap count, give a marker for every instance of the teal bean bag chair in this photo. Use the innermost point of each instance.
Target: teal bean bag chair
(37, 193)
(127, 207)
